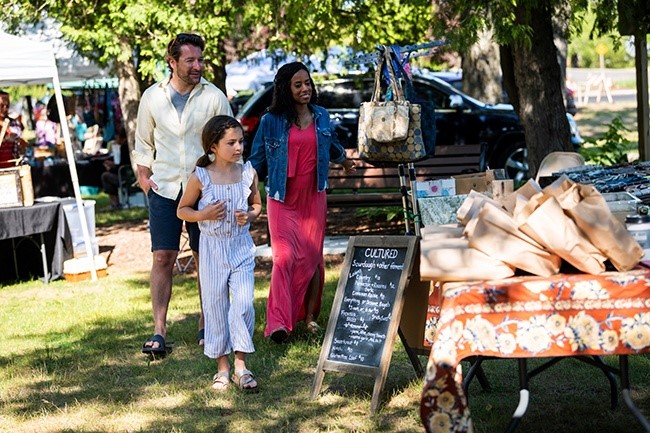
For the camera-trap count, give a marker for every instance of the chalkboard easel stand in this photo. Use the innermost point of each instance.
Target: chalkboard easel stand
(413, 357)
(366, 311)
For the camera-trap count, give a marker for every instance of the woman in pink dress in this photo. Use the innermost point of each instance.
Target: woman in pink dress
(294, 144)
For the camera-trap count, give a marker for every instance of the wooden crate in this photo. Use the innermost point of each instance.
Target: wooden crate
(78, 269)
(73, 278)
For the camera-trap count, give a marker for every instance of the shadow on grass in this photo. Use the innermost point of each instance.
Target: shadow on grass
(95, 369)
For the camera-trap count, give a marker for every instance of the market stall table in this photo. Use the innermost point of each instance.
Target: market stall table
(566, 315)
(41, 227)
(90, 170)
(52, 179)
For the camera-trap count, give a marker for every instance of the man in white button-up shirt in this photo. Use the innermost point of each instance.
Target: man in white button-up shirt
(171, 116)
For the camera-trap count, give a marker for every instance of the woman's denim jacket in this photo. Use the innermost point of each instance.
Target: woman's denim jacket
(270, 150)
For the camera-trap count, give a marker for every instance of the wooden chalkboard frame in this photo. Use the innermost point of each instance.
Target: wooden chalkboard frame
(379, 372)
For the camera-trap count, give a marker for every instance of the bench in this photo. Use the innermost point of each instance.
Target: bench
(372, 186)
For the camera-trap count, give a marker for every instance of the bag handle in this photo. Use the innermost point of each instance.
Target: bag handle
(395, 84)
(409, 90)
(376, 92)
(385, 59)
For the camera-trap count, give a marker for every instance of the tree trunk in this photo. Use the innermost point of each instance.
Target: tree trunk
(561, 20)
(219, 72)
(508, 71)
(541, 105)
(129, 93)
(481, 70)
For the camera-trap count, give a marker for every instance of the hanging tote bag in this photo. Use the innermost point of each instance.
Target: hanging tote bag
(381, 123)
(386, 121)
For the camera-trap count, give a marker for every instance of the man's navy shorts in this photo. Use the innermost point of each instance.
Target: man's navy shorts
(165, 227)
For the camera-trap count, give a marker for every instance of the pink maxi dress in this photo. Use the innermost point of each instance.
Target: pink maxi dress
(297, 229)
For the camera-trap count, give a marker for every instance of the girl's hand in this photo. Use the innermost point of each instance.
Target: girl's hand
(215, 211)
(241, 216)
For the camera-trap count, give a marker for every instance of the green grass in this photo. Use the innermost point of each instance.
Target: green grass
(594, 119)
(70, 361)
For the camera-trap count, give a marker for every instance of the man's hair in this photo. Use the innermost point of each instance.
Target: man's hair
(174, 46)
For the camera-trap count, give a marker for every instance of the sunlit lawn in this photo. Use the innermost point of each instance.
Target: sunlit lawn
(593, 119)
(70, 361)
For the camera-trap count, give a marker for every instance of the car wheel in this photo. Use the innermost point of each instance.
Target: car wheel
(514, 160)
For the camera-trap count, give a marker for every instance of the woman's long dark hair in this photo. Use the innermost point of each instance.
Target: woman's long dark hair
(283, 103)
(213, 131)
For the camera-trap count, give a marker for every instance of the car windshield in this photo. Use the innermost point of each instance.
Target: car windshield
(344, 94)
(451, 89)
(253, 99)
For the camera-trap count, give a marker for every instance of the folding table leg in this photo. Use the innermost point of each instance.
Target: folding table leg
(415, 361)
(610, 377)
(524, 396)
(476, 370)
(13, 248)
(46, 272)
(41, 247)
(625, 390)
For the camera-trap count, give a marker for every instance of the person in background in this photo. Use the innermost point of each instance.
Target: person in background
(228, 200)
(295, 142)
(110, 178)
(167, 144)
(12, 146)
(46, 131)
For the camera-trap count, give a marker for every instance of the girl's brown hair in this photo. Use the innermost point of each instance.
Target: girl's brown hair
(213, 131)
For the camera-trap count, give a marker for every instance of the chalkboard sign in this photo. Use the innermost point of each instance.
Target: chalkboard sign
(367, 307)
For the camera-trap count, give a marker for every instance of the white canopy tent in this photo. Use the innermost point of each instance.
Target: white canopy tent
(30, 62)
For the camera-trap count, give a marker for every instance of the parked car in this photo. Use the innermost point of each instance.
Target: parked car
(455, 78)
(460, 119)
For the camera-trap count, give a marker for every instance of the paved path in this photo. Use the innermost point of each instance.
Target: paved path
(333, 245)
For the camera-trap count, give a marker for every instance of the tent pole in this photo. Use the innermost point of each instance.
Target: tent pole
(73, 174)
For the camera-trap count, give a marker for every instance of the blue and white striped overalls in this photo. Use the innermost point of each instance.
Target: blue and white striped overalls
(226, 268)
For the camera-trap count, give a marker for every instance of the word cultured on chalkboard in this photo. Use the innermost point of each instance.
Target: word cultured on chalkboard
(367, 305)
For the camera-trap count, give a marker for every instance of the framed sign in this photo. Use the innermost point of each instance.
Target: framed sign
(367, 308)
(10, 187)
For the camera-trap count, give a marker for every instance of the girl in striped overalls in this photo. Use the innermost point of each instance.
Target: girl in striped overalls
(228, 200)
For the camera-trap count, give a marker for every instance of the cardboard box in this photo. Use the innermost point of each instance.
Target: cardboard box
(479, 182)
(436, 188)
(73, 278)
(473, 181)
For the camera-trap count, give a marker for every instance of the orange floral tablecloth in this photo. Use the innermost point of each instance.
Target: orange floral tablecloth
(526, 317)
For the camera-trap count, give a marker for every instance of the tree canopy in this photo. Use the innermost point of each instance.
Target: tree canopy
(132, 36)
(532, 76)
